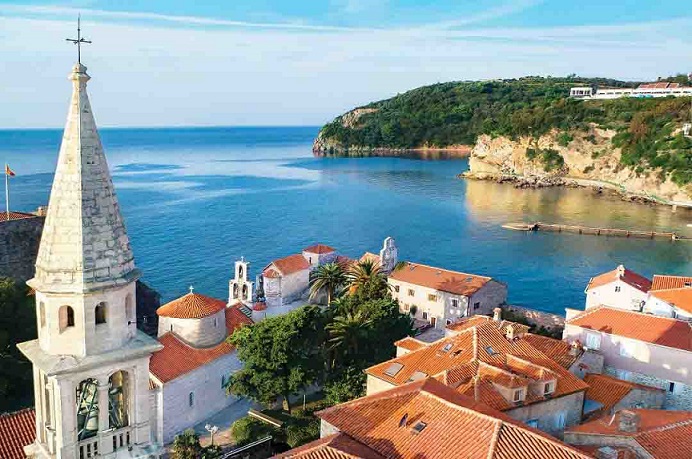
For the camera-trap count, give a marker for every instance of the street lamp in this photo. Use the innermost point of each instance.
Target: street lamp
(212, 430)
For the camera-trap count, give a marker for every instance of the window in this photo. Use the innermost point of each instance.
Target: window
(406, 307)
(675, 387)
(224, 381)
(617, 289)
(393, 369)
(411, 292)
(476, 305)
(548, 388)
(560, 420)
(626, 350)
(624, 375)
(518, 395)
(118, 400)
(191, 399)
(87, 398)
(532, 423)
(396, 288)
(42, 313)
(418, 428)
(455, 303)
(425, 315)
(593, 341)
(216, 322)
(432, 297)
(449, 321)
(65, 317)
(100, 313)
(129, 308)
(433, 321)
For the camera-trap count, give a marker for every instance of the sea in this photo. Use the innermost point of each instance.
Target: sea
(197, 199)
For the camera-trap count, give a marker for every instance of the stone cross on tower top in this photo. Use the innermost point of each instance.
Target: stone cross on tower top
(79, 40)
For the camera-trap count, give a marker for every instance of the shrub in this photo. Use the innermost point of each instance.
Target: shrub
(348, 385)
(591, 138)
(588, 169)
(246, 430)
(564, 138)
(302, 429)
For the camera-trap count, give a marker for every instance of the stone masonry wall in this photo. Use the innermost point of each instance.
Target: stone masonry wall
(19, 240)
(679, 399)
(539, 318)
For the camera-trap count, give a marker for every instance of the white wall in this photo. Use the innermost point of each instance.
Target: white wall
(203, 332)
(628, 297)
(659, 307)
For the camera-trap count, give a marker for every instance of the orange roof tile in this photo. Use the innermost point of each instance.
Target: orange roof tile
(662, 282)
(191, 306)
(556, 349)
(15, 216)
(629, 277)
(664, 434)
(410, 344)
(17, 430)
(428, 419)
(457, 359)
(609, 391)
(679, 297)
(439, 279)
(502, 325)
(319, 249)
(371, 257)
(658, 330)
(287, 265)
(337, 446)
(178, 358)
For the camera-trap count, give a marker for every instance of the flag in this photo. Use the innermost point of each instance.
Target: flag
(9, 171)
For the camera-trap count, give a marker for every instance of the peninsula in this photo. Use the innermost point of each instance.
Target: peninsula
(531, 132)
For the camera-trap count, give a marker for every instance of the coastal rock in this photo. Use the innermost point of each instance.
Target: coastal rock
(589, 159)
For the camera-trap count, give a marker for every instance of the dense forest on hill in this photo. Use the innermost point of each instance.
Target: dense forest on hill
(456, 113)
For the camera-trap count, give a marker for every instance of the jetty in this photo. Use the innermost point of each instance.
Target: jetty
(579, 229)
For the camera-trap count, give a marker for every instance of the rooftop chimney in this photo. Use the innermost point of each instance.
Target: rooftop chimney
(621, 270)
(476, 388)
(629, 421)
(510, 332)
(497, 314)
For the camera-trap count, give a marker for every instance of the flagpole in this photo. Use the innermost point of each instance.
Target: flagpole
(7, 193)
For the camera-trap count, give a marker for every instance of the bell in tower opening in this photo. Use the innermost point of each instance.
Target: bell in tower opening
(240, 289)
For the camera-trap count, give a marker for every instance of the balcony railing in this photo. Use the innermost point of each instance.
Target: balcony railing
(115, 439)
(89, 448)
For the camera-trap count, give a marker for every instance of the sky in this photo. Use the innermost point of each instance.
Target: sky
(302, 62)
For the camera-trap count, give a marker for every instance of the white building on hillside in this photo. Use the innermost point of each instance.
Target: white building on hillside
(619, 288)
(670, 296)
(646, 90)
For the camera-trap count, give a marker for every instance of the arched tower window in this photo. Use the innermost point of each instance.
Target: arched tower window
(42, 313)
(118, 400)
(65, 317)
(129, 308)
(100, 313)
(235, 290)
(87, 409)
(245, 292)
(240, 272)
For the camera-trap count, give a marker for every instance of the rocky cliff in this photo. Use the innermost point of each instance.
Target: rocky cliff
(575, 158)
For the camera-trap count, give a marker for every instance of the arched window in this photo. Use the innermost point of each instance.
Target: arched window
(129, 308)
(100, 313)
(235, 290)
(65, 317)
(87, 409)
(42, 313)
(245, 292)
(118, 397)
(240, 272)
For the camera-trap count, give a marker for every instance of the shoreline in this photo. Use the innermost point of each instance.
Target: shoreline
(535, 182)
(450, 152)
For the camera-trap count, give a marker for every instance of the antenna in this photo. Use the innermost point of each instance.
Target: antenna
(79, 40)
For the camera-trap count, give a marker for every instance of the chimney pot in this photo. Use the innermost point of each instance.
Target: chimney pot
(497, 314)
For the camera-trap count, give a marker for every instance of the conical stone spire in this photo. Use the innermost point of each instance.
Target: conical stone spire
(84, 246)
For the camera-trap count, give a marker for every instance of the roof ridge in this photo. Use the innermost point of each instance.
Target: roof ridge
(447, 270)
(673, 425)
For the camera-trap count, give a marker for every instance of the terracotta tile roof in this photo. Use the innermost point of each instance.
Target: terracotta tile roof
(637, 281)
(178, 358)
(17, 430)
(679, 297)
(439, 279)
(481, 350)
(344, 261)
(502, 325)
(337, 446)
(287, 265)
(270, 272)
(319, 249)
(661, 282)
(191, 306)
(658, 330)
(15, 216)
(410, 344)
(609, 391)
(369, 256)
(426, 419)
(664, 434)
(558, 350)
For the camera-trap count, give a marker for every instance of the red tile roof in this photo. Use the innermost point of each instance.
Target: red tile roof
(664, 434)
(178, 358)
(17, 430)
(558, 350)
(191, 306)
(635, 325)
(410, 344)
(679, 297)
(371, 257)
(637, 281)
(609, 391)
(15, 216)
(661, 282)
(319, 249)
(440, 279)
(426, 419)
(287, 265)
(337, 446)
(481, 352)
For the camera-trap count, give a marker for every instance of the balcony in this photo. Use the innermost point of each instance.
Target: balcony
(106, 442)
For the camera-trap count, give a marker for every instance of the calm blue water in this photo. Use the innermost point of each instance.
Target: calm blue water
(195, 200)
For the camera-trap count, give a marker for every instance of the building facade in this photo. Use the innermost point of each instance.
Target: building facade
(619, 288)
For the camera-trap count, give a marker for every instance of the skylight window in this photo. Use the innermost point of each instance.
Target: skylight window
(418, 375)
(447, 347)
(490, 350)
(393, 369)
(469, 279)
(418, 428)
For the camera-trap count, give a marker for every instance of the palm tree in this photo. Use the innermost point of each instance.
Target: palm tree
(329, 277)
(366, 272)
(347, 331)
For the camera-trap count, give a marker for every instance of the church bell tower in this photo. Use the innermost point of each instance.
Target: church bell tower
(90, 363)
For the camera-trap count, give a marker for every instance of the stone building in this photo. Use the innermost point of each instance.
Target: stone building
(637, 347)
(90, 363)
(189, 375)
(441, 296)
(608, 395)
(493, 362)
(619, 288)
(19, 240)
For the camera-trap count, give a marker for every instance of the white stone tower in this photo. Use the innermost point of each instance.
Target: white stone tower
(240, 288)
(90, 363)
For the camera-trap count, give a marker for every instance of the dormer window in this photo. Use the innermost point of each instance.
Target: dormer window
(518, 395)
(549, 388)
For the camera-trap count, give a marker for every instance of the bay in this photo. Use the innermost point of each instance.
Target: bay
(197, 199)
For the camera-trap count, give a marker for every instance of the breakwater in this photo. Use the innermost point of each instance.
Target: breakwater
(593, 231)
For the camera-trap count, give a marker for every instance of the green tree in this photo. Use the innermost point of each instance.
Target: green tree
(329, 277)
(17, 324)
(367, 274)
(281, 355)
(186, 446)
(344, 386)
(348, 332)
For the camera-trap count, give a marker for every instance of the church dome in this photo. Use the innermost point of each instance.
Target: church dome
(191, 306)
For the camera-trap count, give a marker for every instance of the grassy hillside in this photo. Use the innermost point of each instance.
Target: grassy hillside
(456, 113)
